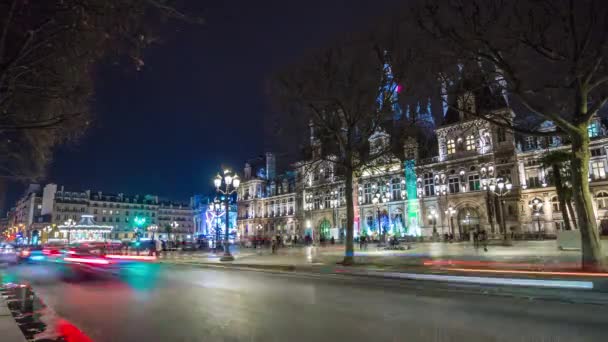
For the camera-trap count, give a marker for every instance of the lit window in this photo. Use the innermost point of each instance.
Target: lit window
(396, 188)
(474, 183)
(451, 146)
(367, 189)
(598, 170)
(470, 142)
(593, 129)
(429, 185)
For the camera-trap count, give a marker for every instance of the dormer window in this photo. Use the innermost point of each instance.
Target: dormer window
(451, 146)
(470, 142)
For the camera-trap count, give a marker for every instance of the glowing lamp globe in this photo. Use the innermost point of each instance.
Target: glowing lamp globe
(217, 181)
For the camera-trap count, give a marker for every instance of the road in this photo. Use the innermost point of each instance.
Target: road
(155, 302)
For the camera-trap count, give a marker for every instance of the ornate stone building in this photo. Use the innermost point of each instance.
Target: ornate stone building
(481, 176)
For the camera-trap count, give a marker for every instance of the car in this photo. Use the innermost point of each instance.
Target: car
(8, 254)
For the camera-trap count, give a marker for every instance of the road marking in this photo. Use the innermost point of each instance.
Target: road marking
(557, 273)
(569, 284)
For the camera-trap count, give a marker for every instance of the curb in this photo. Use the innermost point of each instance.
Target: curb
(9, 330)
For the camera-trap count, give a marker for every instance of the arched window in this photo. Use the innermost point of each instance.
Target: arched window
(602, 200)
(536, 206)
(555, 204)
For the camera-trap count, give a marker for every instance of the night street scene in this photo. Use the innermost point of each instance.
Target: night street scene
(387, 170)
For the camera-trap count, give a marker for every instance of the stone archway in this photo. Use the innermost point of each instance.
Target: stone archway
(468, 220)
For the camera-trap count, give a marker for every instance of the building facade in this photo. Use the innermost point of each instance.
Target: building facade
(267, 202)
(482, 176)
(41, 212)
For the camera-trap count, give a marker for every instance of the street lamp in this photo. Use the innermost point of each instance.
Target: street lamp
(174, 225)
(153, 228)
(536, 205)
(226, 186)
(450, 213)
(501, 187)
(69, 223)
(47, 231)
(376, 200)
(216, 208)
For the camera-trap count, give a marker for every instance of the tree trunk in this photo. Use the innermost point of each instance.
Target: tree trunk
(561, 195)
(349, 246)
(592, 258)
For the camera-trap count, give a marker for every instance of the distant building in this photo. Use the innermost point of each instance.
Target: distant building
(51, 206)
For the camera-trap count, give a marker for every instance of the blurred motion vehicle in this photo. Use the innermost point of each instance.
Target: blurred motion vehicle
(8, 254)
(97, 259)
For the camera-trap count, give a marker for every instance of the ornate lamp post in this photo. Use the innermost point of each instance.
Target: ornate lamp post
(536, 206)
(153, 228)
(47, 231)
(227, 186)
(376, 200)
(501, 187)
(174, 225)
(450, 214)
(69, 223)
(216, 209)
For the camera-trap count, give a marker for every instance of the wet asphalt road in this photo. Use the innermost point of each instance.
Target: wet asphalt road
(154, 302)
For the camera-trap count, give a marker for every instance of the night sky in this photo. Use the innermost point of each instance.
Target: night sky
(200, 100)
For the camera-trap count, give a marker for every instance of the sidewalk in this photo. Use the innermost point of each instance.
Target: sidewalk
(9, 330)
(527, 263)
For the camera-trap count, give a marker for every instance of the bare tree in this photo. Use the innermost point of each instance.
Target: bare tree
(549, 56)
(48, 52)
(341, 91)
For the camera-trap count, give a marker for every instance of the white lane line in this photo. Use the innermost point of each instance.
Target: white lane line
(569, 284)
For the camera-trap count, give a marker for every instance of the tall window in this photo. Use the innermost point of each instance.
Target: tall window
(501, 134)
(327, 200)
(454, 185)
(555, 204)
(341, 196)
(598, 170)
(474, 183)
(451, 146)
(429, 184)
(593, 129)
(317, 202)
(530, 143)
(470, 142)
(367, 191)
(396, 189)
(602, 200)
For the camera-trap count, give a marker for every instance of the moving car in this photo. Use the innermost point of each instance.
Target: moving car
(8, 254)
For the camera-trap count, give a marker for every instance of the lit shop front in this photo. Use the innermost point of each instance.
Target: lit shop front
(85, 230)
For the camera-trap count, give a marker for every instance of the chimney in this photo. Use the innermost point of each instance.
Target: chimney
(270, 165)
(247, 171)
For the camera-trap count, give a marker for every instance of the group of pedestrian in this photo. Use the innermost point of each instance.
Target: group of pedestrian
(448, 237)
(156, 247)
(480, 238)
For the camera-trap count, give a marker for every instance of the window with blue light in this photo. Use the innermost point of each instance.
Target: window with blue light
(593, 129)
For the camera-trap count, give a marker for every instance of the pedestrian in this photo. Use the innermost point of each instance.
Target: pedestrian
(274, 244)
(159, 247)
(484, 240)
(332, 241)
(476, 239)
(151, 248)
(295, 240)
